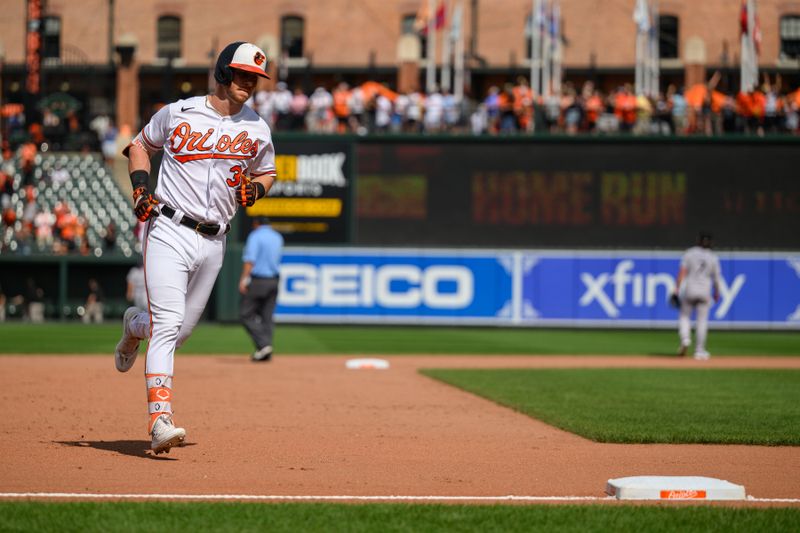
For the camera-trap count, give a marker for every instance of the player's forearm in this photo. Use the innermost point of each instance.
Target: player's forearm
(138, 159)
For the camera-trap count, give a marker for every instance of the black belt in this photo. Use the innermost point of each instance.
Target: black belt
(199, 227)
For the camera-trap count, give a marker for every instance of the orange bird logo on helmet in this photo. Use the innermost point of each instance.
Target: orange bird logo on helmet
(259, 58)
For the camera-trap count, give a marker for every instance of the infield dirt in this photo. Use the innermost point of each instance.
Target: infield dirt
(306, 425)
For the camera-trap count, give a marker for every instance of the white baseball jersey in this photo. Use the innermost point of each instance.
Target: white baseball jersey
(702, 269)
(206, 156)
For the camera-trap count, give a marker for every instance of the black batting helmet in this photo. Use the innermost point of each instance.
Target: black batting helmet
(242, 56)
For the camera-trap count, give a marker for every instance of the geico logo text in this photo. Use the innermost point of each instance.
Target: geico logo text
(391, 286)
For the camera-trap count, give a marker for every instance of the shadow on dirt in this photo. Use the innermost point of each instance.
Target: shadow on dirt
(135, 448)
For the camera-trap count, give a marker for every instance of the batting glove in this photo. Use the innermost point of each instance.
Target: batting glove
(144, 204)
(248, 192)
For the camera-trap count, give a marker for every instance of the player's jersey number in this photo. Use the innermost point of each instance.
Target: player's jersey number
(237, 178)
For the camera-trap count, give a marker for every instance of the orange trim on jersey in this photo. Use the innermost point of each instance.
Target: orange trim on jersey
(195, 157)
(250, 68)
(267, 173)
(148, 141)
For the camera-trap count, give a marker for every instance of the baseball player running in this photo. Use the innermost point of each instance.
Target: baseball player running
(218, 155)
(697, 279)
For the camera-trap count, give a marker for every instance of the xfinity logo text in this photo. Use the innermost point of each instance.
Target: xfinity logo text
(643, 289)
(393, 286)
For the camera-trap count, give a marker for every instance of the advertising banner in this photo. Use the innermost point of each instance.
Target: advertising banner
(629, 289)
(527, 288)
(395, 286)
(309, 202)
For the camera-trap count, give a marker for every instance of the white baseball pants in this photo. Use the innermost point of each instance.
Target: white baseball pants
(702, 306)
(181, 267)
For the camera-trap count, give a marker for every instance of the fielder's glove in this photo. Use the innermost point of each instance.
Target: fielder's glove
(144, 204)
(675, 300)
(248, 192)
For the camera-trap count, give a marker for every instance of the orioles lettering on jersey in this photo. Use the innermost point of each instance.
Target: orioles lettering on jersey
(184, 139)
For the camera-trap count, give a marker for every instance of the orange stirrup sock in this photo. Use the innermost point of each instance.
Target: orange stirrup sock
(159, 396)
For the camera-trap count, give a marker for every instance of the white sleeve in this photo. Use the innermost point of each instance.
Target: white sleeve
(264, 162)
(154, 135)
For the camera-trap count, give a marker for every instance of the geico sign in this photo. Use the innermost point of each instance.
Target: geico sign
(391, 286)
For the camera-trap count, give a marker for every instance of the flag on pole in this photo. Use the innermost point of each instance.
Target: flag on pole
(441, 15)
(421, 21)
(748, 70)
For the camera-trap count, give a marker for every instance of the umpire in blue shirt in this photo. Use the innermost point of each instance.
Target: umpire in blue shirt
(259, 285)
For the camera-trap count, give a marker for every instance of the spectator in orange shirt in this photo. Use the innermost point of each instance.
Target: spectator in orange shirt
(625, 107)
(593, 105)
(341, 96)
(523, 104)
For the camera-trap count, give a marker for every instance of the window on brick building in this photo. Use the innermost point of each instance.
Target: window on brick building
(407, 24)
(51, 37)
(292, 29)
(790, 36)
(168, 32)
(668, 37)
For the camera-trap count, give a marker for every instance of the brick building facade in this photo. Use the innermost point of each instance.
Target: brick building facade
(120, 57)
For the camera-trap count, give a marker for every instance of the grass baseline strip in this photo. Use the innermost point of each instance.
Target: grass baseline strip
(675, 406)
(209, 338)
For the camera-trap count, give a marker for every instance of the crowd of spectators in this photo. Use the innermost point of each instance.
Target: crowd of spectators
(38, 229)
(373, 108)
(513, 109)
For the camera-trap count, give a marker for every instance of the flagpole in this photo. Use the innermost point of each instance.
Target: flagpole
(458, 75)
(447, 33)
(546, 53)
(751, 21)
(557, 47)
(656, 50)
(536, 47)
(430, 71)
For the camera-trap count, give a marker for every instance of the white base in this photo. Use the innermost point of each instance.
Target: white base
(674, 488)
(367, 364)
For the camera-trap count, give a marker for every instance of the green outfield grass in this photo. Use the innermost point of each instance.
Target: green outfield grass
(70, 337)
(307, 517)
(648, 405)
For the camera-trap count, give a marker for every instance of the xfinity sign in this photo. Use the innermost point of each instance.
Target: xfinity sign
(623, 286)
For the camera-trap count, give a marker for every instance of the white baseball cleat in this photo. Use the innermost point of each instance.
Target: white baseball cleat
(166, 435)
(702, 355)
(128, 345)
(264, 354)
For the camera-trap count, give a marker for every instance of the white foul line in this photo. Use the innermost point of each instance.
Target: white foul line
(268, 497)
(77, 495)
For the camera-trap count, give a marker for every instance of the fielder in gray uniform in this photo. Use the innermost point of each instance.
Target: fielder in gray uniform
(697, 283)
